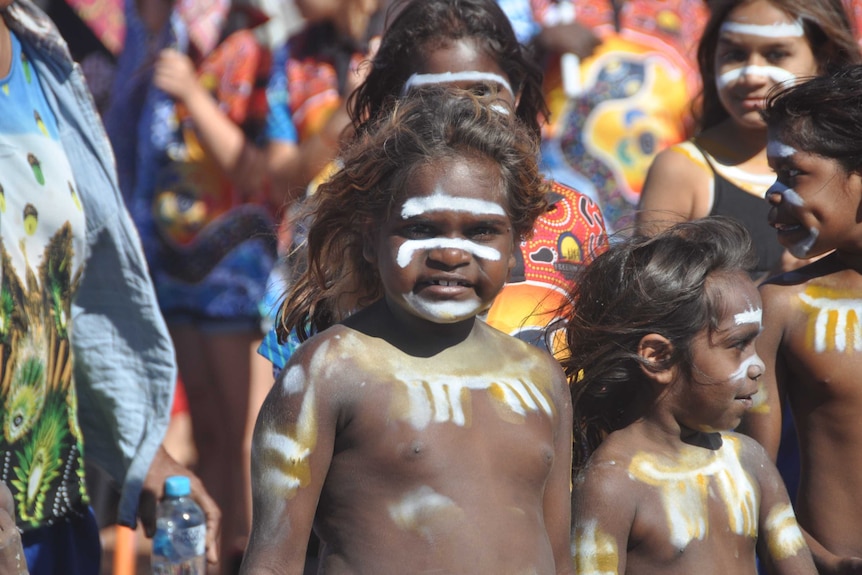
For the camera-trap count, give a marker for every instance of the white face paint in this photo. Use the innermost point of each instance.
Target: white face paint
(777, 30)
(751, 315)
(409, 248)
(774, 73)
(788, 195)
(450, 311)
(777, 149)
(453, 77)
(742, 371)
(440, 201)
(801, 248)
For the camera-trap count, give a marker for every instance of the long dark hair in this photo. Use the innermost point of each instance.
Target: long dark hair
(642, 285)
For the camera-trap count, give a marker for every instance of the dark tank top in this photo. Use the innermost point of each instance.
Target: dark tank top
(732, 201)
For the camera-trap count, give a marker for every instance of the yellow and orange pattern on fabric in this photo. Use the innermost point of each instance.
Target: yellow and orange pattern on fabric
(565, 238)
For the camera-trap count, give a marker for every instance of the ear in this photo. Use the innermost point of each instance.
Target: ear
(656, 351)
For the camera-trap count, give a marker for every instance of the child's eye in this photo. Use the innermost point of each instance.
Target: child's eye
(480, 233)
(776, 56)
(732, 55)
(418, 231)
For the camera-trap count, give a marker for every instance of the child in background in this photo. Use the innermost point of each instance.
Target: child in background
(748, 47)
(811, 343)
(470, 44)
(415, 437)
(662, 366)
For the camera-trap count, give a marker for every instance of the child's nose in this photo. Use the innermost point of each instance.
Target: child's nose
(775, 193)
(756, 368)
(450, 256)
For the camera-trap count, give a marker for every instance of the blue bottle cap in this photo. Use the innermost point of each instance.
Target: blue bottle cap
(178, 486)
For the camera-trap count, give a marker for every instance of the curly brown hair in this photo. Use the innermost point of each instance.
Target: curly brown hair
(429, 125)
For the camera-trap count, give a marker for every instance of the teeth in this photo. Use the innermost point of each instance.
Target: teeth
(447, 283)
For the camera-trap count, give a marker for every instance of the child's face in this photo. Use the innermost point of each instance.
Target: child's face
(725, 365)
(759, 46)
(463, 64)
(447, 249)
(814, 200)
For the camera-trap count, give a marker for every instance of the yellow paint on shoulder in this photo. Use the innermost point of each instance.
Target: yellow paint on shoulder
(594, 552)
(834, 319)
(783, 535)
(685, 484)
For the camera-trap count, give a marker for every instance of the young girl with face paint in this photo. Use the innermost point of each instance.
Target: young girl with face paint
(748, 47)
(662, 366)
(812, 342)
(414, 436)
(470, 44)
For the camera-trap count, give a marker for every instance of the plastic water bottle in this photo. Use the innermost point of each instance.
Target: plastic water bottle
(179, 546)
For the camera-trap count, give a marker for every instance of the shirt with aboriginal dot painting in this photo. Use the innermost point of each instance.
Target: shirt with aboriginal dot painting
(42, 243)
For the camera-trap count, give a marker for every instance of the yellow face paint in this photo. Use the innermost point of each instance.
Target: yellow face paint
(783, 535)
(833, 319)
(594, 552)
(685, 485)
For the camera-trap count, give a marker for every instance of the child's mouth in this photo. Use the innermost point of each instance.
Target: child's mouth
(449, 283)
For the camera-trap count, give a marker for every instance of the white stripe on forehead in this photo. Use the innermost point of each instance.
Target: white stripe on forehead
(410, 247)
(777, 149)
(751, 315)
(774, 73)
(777, 30)
(440, 201)
(451, 77)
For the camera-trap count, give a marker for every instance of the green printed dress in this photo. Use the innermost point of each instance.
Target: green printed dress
(42, 232)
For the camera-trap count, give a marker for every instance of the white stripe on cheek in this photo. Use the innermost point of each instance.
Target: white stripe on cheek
(410, 247)
(774, 73)
(439, 202)
(750, 315)
(452, 77)
(777, 30)
(776, 149)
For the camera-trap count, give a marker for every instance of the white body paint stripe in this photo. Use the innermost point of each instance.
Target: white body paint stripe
(847, 313)
(407, 250)
(777, 30)
(749, 316)
(439, 202)
(451, 77)
(774, 73)
(776, 149)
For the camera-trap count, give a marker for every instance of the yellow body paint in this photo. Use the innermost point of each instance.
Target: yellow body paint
(594, 552)
(287, 453)
(833, 319)
(783, 535)
(685, 484)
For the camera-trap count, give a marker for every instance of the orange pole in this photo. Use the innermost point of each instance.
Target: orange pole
(125, 558)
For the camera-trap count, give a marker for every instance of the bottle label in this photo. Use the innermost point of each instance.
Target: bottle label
(192, 540)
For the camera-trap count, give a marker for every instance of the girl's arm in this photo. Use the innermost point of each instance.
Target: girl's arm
(602, 517)
(558, 496)
(781, 544)
(291, 453)
(676, 189)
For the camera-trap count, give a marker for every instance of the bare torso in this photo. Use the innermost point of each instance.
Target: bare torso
(451, 463)
(820, 357)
